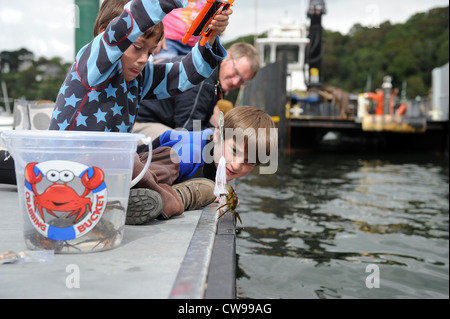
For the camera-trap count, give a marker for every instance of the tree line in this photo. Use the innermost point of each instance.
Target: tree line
(30, 78)
(407, 52)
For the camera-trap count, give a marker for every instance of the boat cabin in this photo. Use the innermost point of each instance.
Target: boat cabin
(287, 37)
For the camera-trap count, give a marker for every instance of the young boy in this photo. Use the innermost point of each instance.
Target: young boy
(183, 168)
(112, 74)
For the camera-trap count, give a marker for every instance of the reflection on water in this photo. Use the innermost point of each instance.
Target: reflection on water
(311, 230)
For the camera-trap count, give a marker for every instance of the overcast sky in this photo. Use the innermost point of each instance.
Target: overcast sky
(46, 27)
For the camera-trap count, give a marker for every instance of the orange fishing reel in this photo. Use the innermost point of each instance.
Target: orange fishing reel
(200, 25)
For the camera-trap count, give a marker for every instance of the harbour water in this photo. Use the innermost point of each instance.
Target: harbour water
(345, 226)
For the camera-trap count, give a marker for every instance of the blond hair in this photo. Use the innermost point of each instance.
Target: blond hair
(256, 126)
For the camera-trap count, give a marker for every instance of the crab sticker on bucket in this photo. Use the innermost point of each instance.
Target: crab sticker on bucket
(64, 200)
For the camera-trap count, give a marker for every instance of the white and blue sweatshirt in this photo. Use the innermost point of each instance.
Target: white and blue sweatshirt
(95, 95)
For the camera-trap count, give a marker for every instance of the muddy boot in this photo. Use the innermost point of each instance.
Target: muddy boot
(143, 205)
(195, 193)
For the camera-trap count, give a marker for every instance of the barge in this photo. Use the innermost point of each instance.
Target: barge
(309, 115)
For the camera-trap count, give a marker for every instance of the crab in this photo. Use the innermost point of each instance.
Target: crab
(102, 237)
(61, 197)
(231, 204)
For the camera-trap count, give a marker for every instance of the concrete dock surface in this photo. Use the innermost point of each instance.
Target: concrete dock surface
(191, 256)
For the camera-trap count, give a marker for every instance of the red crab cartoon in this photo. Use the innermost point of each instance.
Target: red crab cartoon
(59, 196)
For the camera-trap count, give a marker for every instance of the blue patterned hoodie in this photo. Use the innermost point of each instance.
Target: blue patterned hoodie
(95, 95)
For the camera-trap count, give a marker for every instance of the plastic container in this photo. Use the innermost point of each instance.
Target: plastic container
(73, 187)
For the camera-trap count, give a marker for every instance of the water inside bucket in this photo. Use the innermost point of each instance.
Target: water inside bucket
(73, 187)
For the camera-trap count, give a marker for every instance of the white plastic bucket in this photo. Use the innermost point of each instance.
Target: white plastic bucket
(73, 186)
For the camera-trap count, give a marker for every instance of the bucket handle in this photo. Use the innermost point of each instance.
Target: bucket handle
(146, 141)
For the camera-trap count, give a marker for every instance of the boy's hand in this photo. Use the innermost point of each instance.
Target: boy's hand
(219, 24)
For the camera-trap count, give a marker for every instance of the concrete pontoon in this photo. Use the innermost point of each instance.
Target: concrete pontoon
(191, 256)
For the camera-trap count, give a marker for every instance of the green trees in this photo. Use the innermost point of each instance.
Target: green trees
(32, 79)
(407, 52)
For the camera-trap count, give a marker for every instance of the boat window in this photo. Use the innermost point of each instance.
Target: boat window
(267, 53)
(291, 52)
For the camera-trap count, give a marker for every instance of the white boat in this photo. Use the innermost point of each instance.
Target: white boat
(290, 37)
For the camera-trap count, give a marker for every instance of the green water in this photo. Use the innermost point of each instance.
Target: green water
(312, 229)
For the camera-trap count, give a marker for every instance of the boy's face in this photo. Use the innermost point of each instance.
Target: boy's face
(136, 56)
(237, 164)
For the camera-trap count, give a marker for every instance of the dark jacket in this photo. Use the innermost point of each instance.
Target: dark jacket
(95, 95)
(181, 110)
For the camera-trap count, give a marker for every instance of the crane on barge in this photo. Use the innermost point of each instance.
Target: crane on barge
(314, 51)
